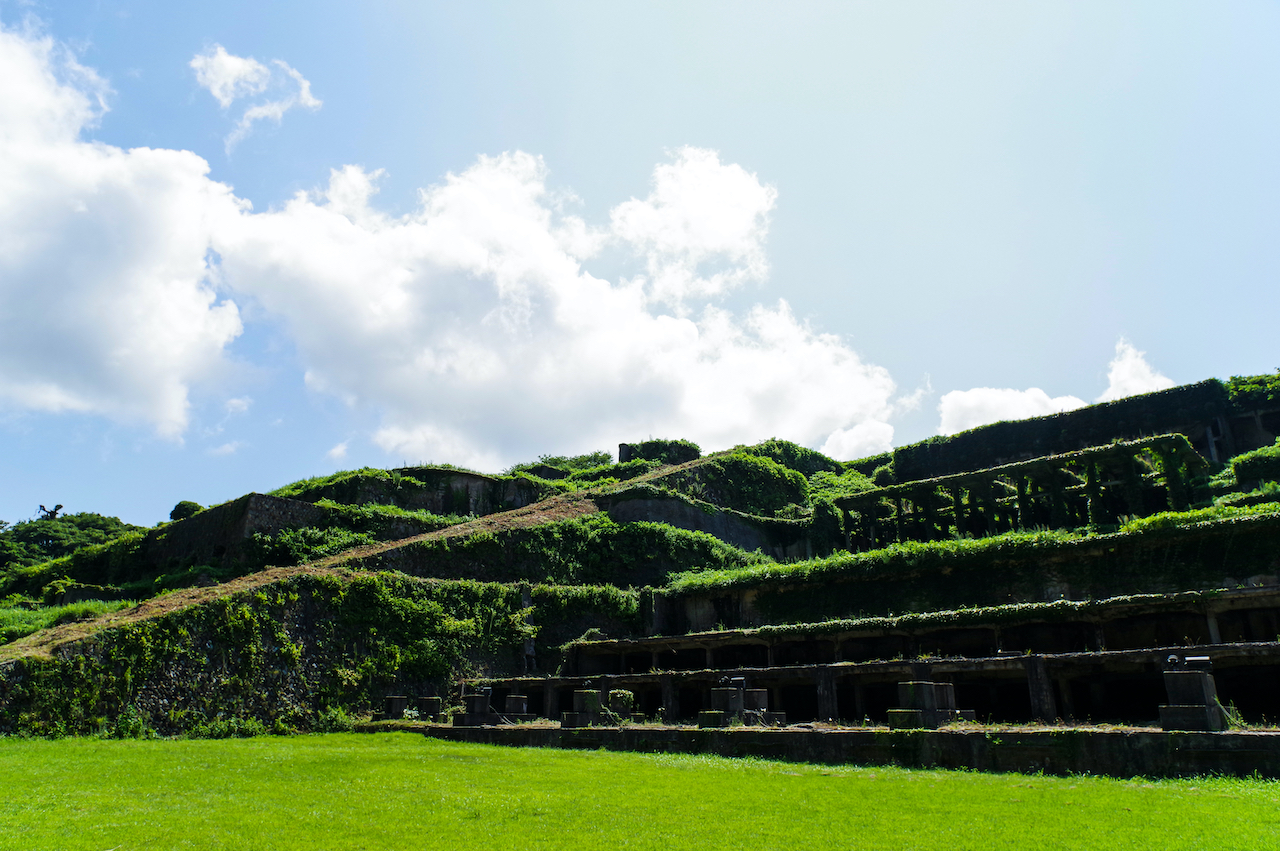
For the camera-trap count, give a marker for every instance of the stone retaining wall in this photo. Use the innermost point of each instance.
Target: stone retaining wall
(1121, 753)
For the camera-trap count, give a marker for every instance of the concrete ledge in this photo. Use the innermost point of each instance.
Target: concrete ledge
(1122, 753)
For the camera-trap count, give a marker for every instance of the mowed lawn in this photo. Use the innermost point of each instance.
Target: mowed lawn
(403, 791)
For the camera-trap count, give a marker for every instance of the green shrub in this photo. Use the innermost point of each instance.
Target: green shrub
(1260, 464)
(185, 509)
(296, 546)
(793, 456)
(662, 451)
(824, 485)
(334, 720)
(588, 461)
(1181, 519)
(746, 483)
(618, 472)
(34, 541)
(589, 549)
(1251, 392)
(228, 728)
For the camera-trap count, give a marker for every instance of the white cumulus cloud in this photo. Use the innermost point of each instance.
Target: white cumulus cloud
(473, 326)
(229, 78)
(105, 305)
(863, 440)
(966, 409)
(701, 230)
(1129, 374)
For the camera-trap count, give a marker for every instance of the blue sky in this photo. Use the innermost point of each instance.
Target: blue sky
(485, 231)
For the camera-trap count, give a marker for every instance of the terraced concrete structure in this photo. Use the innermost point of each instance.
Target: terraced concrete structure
(1064, 632)
(1093, 567)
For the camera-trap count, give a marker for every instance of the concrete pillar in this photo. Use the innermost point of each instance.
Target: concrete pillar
(711, 658)
(930, 516)
(990, 507)
(859, 700)
(670, 700)
(530, 661)
(1043, 706)
(1024, 505)
(1093, 492)
(1063, 688)
(1131, 483)
(1059, 516)
(957, 510)
(1215, 634)
(828, 710)
(550, 699)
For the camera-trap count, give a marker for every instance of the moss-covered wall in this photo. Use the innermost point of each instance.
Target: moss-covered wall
(285, 653)
(1183, 409)
(590, 549)
(993, 571)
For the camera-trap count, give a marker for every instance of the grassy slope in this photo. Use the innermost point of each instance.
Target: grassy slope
(401, 791)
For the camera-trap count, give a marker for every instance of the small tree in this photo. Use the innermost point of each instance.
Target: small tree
(185, 509)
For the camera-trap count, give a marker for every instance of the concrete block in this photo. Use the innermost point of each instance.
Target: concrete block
(918, 694)
(713, 718)
(906, 719)
(621, 701)
(429, 708)
(516, 704)
(1190, 688)
(393, 706)
(587, 700)
(756, 699)
(727, 700)
(1197, 718)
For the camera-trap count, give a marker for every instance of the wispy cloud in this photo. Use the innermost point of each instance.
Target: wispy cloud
(225, 449)
(229, 78)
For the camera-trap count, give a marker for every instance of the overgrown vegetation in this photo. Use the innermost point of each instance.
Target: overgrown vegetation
(591, 549)
(567, 464)
(283, 654)
(33, 541)
(22, 616)
(1178, 551)
(1259, 465)
(1251, 392)
(662, 451)
(793, 456)
(748, 483)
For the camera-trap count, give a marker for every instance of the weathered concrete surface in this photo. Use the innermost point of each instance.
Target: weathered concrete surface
(785, 539)
(1121, 753)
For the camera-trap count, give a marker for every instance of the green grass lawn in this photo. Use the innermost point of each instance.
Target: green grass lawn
(402, 791)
